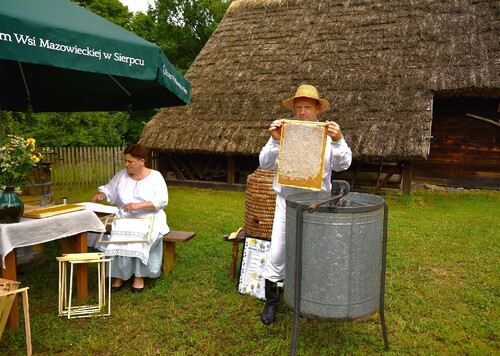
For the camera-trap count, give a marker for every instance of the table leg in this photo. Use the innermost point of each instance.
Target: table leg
(10, 272)
(81, 268)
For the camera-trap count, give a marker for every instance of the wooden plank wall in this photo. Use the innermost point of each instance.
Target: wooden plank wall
(465, 150)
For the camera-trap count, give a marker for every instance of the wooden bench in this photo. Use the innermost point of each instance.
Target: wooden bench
(169, 241)
(169, 255)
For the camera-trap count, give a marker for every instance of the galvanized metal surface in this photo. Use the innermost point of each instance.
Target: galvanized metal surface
(341, 256)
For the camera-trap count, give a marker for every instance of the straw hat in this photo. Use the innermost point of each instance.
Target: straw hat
(307, 91)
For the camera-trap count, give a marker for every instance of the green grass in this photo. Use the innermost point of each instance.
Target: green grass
(442, 293)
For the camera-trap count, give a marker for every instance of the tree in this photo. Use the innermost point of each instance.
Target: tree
(112, 10)
(184, 26)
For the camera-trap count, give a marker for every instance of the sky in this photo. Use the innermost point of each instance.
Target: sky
(137, 5)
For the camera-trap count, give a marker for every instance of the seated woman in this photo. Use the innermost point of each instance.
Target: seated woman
(138, 192)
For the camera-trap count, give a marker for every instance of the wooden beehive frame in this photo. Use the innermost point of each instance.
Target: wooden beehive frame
(301, 158)
(65, 307)
(116, 240)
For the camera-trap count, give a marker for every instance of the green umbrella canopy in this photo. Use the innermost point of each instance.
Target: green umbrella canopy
(57, 56)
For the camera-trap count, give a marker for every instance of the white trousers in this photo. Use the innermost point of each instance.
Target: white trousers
(275, 264)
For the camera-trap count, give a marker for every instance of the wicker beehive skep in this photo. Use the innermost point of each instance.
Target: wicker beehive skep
(260, 201)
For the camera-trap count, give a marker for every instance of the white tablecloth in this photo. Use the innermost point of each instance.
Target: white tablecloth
(29, 231)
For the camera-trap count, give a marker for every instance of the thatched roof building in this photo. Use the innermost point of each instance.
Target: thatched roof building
(380, 63)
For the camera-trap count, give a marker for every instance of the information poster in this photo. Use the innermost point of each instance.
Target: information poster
(253, 264)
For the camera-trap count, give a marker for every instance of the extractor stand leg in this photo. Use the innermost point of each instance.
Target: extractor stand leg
(298, 277)
(382, 280)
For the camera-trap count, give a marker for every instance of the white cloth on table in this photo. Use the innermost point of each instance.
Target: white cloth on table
(30, 232)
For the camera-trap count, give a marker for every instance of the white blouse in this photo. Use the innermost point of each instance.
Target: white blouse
(122, 189)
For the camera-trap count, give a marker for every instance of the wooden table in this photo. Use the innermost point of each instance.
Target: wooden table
(28, 232)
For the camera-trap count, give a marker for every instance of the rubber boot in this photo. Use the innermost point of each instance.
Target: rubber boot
(272, 298)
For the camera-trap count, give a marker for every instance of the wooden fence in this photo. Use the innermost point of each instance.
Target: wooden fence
(83, 167)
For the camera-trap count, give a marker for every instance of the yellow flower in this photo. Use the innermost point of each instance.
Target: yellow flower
(35, 158)
(31, 141)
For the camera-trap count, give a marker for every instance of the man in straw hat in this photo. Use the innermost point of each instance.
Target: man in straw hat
(306, 105)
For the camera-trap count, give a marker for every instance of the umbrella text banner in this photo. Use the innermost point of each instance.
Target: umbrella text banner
(58, 56)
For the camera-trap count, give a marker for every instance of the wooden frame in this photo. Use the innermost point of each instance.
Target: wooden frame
(48, 211)
(117, 236)
(65, 306)
(8, 293)
(301, 158)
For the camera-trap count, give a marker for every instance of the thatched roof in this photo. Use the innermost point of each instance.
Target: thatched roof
(379, 63)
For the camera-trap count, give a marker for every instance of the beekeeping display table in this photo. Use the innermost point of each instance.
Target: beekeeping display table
(31, 231)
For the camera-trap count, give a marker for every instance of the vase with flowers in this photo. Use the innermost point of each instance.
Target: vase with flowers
(18, 159)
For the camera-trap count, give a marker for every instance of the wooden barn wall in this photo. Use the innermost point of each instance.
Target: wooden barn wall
(206, 168)
(465, 151)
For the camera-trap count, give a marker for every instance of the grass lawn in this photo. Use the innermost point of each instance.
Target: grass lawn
(442, 292)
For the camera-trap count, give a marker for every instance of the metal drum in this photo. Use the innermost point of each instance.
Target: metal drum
(341, 255)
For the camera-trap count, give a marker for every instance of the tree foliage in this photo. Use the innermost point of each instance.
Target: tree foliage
(180, 27)
(184, 26)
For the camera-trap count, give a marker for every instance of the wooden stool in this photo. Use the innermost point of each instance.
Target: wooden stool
(65, 289)
(239, 239)
(8, 293)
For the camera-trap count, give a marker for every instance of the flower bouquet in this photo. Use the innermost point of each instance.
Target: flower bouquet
(18, 159)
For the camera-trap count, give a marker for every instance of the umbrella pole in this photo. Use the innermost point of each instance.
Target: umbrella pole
(119, 84)
(24, 81)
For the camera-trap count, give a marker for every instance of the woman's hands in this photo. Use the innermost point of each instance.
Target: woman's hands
(144, 205)
(130, 207)
(98, 197)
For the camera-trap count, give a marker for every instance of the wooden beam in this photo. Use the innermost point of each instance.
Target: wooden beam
(176, 169)
(186, 169)
(379, 186)
(406, 177)
(483, 119)
(202, 173)
(230, 170)
(162, 164)
(380, 171)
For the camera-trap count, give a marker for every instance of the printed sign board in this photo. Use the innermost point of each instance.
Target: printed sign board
(253, 264)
